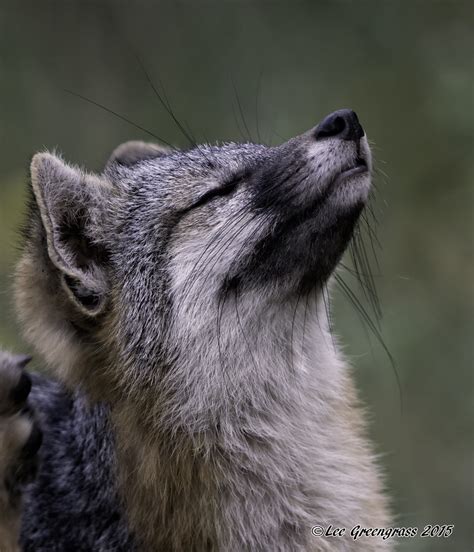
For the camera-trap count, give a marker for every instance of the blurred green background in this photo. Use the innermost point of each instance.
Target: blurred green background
(406, 67)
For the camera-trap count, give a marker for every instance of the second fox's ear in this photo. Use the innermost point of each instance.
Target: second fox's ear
(134, 151)
(73, 207)
(21, 360)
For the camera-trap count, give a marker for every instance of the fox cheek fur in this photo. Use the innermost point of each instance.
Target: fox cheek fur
(184, 292)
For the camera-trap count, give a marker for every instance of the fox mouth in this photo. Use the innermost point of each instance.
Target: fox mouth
(358, 167)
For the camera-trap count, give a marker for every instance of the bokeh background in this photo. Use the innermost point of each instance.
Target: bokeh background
(406, 67)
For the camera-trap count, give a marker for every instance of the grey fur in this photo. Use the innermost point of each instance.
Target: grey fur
(135, 150)
(183, 291)
(16, 430)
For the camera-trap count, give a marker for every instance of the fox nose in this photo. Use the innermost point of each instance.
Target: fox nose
(342, 124)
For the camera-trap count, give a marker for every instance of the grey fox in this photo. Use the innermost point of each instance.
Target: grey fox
(196, 401)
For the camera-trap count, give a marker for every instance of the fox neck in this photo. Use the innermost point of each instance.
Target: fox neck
(231, 414)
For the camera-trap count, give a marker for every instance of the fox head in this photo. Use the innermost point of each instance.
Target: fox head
(174, 271)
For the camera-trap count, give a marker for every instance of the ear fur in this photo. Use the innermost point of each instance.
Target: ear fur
(72, 207)
(134, 151)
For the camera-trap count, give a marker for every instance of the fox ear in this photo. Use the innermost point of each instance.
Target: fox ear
(72, 207)
(134, 151)
(21, 360)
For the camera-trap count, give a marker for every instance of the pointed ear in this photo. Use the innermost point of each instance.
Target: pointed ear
(131, 152)
(21, 360)
(72, 206)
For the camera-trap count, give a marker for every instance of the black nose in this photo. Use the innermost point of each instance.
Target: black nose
(342, 124)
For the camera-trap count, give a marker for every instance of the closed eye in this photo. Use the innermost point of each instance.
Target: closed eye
(219, 191)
